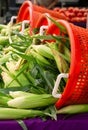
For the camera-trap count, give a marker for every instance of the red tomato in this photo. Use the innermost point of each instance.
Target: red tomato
(67, 13)
(83, 10)
(85, 14)
(76, 10)
(56, 9)
(62, 10)
(79, 14)
(70, 9)
(72, 15)
(83, 19)
(75, 19)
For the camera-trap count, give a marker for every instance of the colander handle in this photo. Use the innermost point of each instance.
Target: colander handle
(42, 29)
(13, 18)
(23, 26)
(59, 77)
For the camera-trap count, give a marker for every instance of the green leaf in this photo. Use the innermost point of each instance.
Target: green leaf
(45, 37)
(22, 124)
(6, 90)
(24, 56)
(51, 111)
(57, 23)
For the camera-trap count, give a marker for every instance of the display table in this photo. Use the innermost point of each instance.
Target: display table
(73, 122)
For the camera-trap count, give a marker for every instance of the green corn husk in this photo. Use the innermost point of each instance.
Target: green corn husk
(43, 50)
(2, 26)
(39, 58)
(32, 101)
(36, 41)
(7, 79)
(62, 65)
(73, 109)
(21, 77)
(4, 40)
(16, 94)
(5, 58)
(11, 113)
(67, 53)
(12, 77)
(4, 98)
(16, 27)
(63, 51)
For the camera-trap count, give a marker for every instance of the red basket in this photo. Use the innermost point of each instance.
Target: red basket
(51, 12)
(31, 12)
(43, 20)
(26, 12)
(76, 89)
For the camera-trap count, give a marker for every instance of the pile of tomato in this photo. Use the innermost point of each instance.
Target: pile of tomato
(73, 14)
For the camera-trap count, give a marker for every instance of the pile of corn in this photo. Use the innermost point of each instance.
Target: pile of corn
(29, 66)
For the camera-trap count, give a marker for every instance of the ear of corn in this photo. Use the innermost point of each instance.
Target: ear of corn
(16, 94)
(67, 53)
(64, 52)
(4, 40)
(32, 101)
(73, 109)
(9, 78)
(12, 77)
(2, 26)
(5, 58)
(38, 76)
(39, 57)
(61, 63)
(43, 50)
(4, 98)
(11, 113)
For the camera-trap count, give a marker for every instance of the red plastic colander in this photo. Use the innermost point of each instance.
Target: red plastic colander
(76, 89)
(31, 12)
(43, 20)
(26, 12)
